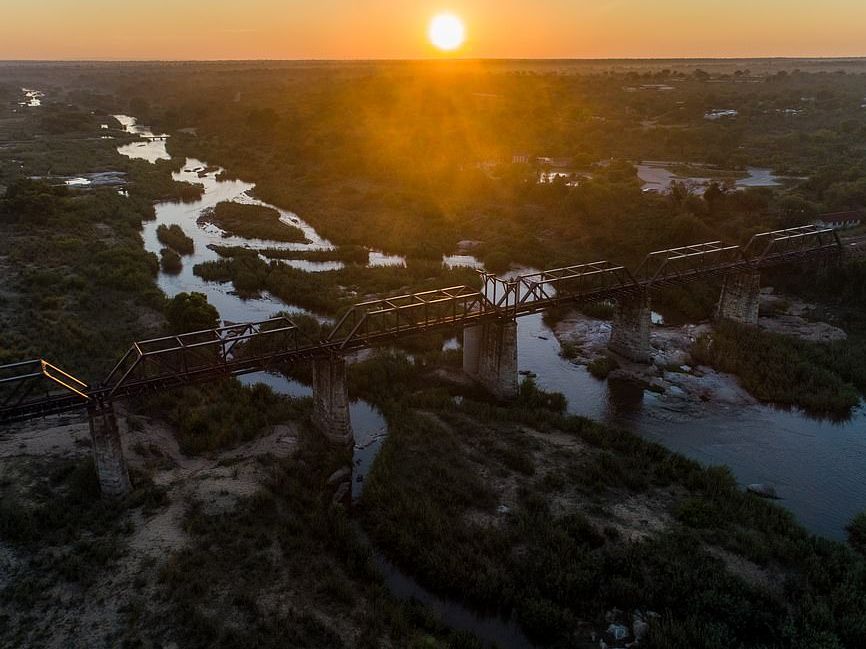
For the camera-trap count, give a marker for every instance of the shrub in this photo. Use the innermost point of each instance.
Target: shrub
(857, 533)
(170, 261)
(602, 366)
(190, 312)
(175, 238)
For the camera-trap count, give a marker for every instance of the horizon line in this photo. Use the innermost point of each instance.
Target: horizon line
(857, 57)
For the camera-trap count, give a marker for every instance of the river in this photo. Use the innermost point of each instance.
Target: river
(657, 177)
(818, 467)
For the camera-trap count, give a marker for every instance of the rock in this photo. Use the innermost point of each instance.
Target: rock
(639, 629)
(676, 391)
(762, 490)
(686, 368)
(341, 493)
(340, 475)
(618, 631)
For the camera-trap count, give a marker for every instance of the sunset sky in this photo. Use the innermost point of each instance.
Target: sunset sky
(360, 29)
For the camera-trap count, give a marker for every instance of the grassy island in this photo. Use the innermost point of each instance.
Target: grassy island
(253, 222)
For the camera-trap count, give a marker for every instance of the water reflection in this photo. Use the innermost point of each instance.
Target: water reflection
(32, 98)
(150, 148)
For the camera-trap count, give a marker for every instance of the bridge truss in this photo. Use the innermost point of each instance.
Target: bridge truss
(37, 388)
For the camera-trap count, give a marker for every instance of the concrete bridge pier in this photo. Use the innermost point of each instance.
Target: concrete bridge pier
(108, 456)
(741, 297)
(331, 400)
(490, 357)
(630, 333)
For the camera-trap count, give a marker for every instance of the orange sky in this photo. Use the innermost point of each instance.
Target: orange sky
(359, 29)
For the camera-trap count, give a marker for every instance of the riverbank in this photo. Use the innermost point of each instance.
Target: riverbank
(570, 527)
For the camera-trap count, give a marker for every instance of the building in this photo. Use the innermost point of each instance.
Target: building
(840, 220)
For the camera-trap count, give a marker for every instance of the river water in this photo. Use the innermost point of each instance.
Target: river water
(657, 177)
(818, 467)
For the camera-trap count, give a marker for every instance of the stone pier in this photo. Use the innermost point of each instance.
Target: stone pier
(108, 452)
(740, 298)
(630, 333)
(490, 357)
(331, 400)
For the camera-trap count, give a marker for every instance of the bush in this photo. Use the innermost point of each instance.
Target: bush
(170, 261)
(857, 533)
(602, 366)
(190, 312)
(175, 238)
(497, 262)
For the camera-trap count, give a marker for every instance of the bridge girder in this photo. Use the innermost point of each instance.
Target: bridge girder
(237, 349)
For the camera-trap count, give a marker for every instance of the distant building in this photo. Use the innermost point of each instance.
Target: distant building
(520, 159)
(840, 220)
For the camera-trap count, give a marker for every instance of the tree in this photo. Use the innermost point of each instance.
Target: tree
(713, 195)
(857, 533)
(190, 312)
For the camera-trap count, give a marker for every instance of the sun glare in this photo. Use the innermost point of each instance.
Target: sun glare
(447, 32)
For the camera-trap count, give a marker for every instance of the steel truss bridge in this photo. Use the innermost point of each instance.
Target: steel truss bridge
(37, 388)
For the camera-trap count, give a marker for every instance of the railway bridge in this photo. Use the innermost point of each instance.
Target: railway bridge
(488, 318)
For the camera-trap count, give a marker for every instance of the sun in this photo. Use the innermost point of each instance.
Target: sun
(446, 32)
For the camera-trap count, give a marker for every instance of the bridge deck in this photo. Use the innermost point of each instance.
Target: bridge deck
(37, 388)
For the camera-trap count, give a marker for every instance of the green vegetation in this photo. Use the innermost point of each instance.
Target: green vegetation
(288, 540)
(824, 378)
(233, 251)
(77, 284)
(602, 366)
(170, 261)
(557, 557)
(346, 254)
(190, 312)
(223, 415)
(857, 533)
(252, 221)
(327, 292)
(360, 178)
(175, 238)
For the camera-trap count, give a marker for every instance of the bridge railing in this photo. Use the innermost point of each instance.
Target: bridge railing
(550, 287)
(780, 246)
(223, 351)
(404, 314)
(38, 385)
(687, 262)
